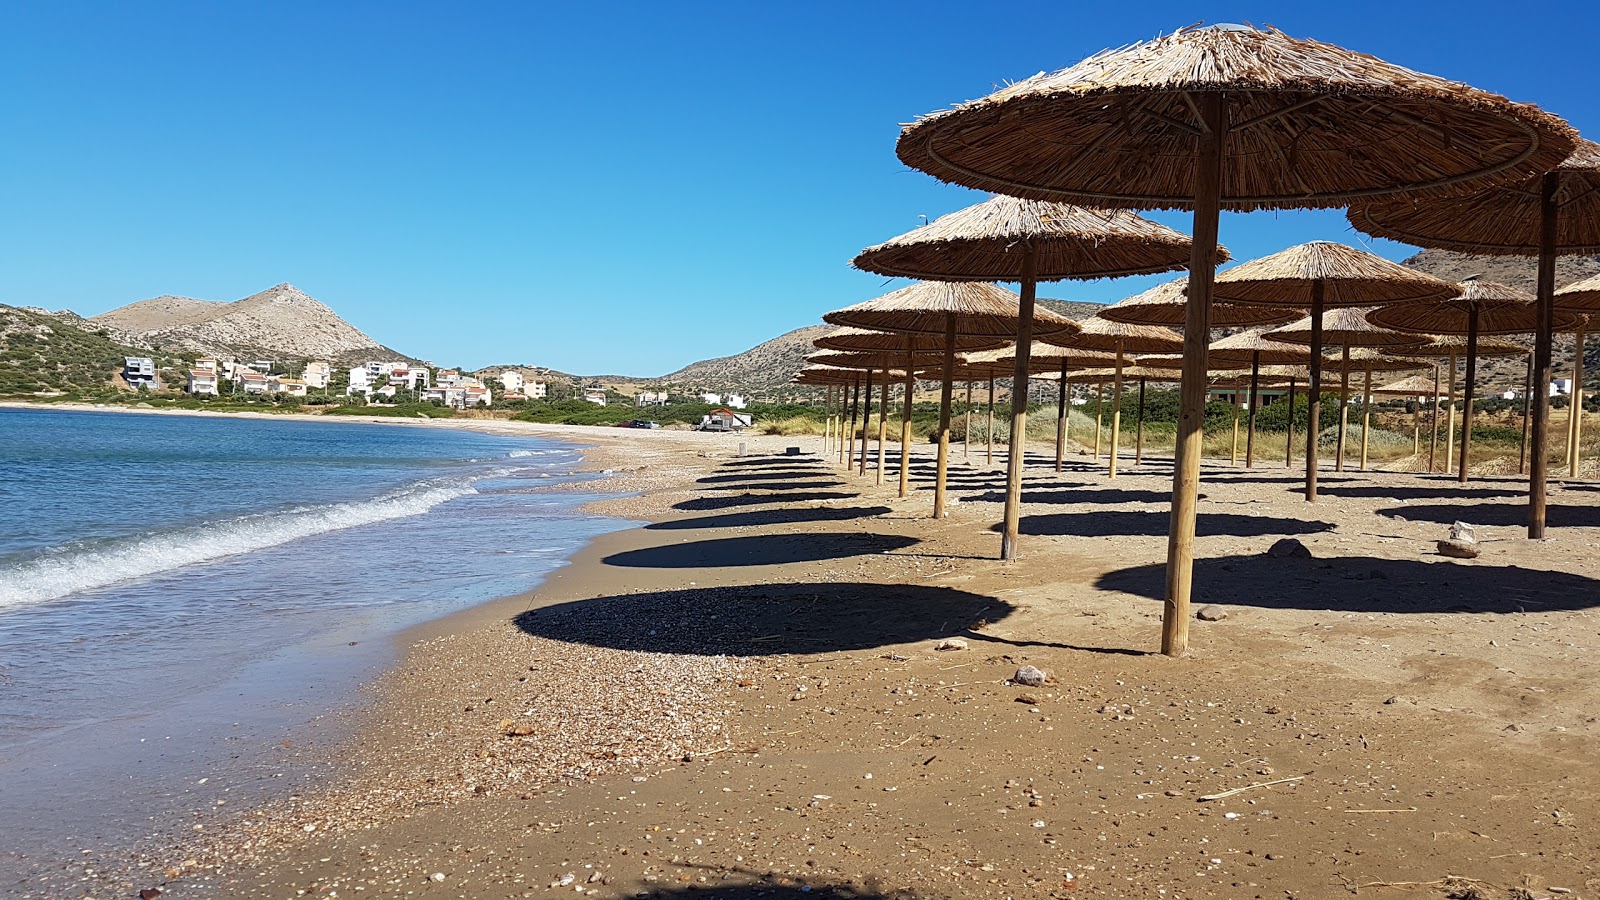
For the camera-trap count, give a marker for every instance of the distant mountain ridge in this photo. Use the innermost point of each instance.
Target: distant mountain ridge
(281, 322)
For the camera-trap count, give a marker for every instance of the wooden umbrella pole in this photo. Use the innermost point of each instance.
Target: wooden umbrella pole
(1314, 409)
(1238, 388)
(1467, 392)
(866, 422)
(1575, 408)
(1116, 412)
(1019, 406)
(1138, 431)
(1527, 400)
(905, 420)
(1433, 421)
(1450, 420)
(827, 420)
(942, 467)
(1344, 406)
(883, 419)
(1288, 441)
(848, 446)
(1539, 462)
(1366, 414)
(1255, 387)
(1061, 417)
(989, 459)
(1416, 431)
(1099, 417)
(1192, 391)
(966, 442)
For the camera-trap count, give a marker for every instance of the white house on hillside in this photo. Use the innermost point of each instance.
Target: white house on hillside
(536, 390)
(650, 398)
(597, 396)
(360, 382)
(512, 380)
(203, 377)
(318, 374)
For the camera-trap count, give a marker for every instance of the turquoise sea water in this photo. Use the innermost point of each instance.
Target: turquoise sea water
(177, 594)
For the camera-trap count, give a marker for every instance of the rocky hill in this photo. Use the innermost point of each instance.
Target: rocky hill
(1520, 272)
(281, 322)
(44, 352)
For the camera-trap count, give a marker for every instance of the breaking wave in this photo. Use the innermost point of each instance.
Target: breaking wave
(70, 570)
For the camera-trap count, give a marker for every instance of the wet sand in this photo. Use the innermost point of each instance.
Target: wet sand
(743, 696)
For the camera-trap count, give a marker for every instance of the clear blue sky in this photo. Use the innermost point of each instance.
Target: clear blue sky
(600, 188)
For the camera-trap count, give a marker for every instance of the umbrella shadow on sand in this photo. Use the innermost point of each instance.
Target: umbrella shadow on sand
(766, 619)
(757, 517)
(808, 482)
(755, 477)
(1511, 514)
(708, 504)
(760, 550)
(1420, 493)
(1367, 585)
(756, 885)
(1158, 522)
(1083, 495)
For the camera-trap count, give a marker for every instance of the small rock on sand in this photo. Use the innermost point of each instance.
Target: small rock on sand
(1029, 676)
(951, 644)
(1289, 548)
(1459, 549)
(1211, 613)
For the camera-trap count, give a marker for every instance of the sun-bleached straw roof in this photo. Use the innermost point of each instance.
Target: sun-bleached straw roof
(1500, 308)
(1348, 277)
(1311, 125)
(1346, 327)
(1254, 346)
(1499, 221)
(1441, 345)
(1167, 304)
(861, 339)
(977, 308)
(1580, 296)
(1095, 333)
(1129, 373)
(1413, 386)
(873, 359)
(987, 241)
(823, 375)
(1364, 358)
(1043, 358)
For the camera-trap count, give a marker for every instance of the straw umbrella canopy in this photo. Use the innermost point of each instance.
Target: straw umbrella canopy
(1323, 275)
(975, 309)
(1548, 213)
(854, 340)
(1228, 116)
(1482, 308)
(1119, 338)
(1028, 241)
(1168, 303)
(1047, 359)
(1253, 349)
(1580, 296)
(1348, 328)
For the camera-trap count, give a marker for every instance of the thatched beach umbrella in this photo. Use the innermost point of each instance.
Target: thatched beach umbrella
(1253, 348)
(830, 379)
(1167, 304)
(1483, 307)
(1582, 297)
(877, 363)
(1027, 241)
(1549, 213)
(1416, 388)
(1048, 359)
(953, 309)
(1228, 117)
(1118, 338)
(1453, 347)
(1347, 328)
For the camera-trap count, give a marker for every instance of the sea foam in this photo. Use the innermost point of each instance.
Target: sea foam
(71, 570)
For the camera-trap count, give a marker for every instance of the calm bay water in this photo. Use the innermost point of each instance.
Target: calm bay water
(178, 594)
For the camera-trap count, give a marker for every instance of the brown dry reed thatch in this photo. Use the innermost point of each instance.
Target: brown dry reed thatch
(872, 359)
(1253, 346)
(987, 241)
(980, 309)
(1500, 308)
(1108, 336)
(1167, 304)
(1348, 276)
(1346, 327)
(860, 339)
(1499, 221)
(1413, 386)
(1311, 125)
(1442, 345)
(1043, 359)
(1580, 296)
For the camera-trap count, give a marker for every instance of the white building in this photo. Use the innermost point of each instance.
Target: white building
(253, 382)
(360, 382)
(139, 371)
(713, 399)
(536, 390)
(597, 396)
(1560, 387)
(203, 378)
(294, 387)
(317, 374)
(650, 398)
(410, 379)
(512, 380)
(734, 401)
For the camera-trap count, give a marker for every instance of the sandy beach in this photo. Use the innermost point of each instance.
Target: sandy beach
(744, 695)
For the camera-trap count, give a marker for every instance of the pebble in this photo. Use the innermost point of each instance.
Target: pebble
(1029, 676)
(1289, 548)
(951, 644)
(1458, 549)
(437, 876)
(1211, 614)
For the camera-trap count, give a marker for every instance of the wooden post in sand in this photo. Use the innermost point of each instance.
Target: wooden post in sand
(866, 421)
(1344, 406)
(1099, 405)
(942, 467)
(1238, 389)
(1433, 421)
(1575, 408)
(827, 418)
(1138, 435)
(1467, 397)
(883, 419)
(966, 442)
(1527, 400)
(1288, 438)
(1061, 416)
(1366, 415)
(1416, 431)
(848, 445)
(905, 420)
(1116, 414)
(1450, 420)
(990, 426)
(1255, 390)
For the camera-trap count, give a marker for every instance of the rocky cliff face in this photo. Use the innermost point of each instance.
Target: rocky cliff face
(281, 322)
